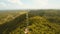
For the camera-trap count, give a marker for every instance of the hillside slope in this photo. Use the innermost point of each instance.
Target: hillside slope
(13, 22)
(40, 22)
(38, 25)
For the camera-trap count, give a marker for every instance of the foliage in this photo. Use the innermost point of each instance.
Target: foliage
(40, 22)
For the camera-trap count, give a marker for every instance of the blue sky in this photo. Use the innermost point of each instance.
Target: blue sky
(29, 4)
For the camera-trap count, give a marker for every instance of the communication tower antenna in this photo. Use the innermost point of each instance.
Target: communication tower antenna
(27, 23)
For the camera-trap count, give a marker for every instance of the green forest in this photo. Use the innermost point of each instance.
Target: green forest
(39, 21)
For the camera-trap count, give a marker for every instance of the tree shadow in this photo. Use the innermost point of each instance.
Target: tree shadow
(11, 25)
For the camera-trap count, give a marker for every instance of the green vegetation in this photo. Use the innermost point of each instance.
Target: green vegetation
(40, 22)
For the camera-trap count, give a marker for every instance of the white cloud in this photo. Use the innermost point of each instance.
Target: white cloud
(40, 3)
(52, 6)
(16, 2)
(12, 4)
(36, 4)
(2, 4)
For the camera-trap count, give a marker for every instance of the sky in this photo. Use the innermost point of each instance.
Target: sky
(29, 4)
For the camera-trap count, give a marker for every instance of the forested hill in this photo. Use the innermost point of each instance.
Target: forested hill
(39, 22)
(11, 25)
